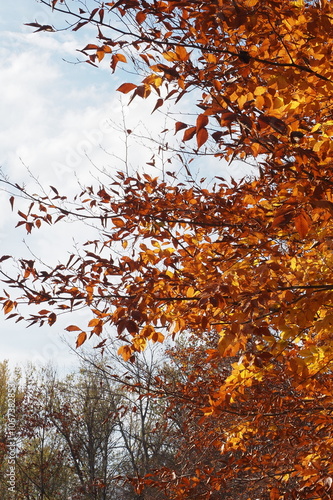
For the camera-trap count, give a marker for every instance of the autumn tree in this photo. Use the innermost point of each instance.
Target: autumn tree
(246, 263)
(109, 421)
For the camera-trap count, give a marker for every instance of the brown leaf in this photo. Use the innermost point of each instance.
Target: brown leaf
(276, 124)
(72, 328)
(179, 126)
(202, 121)
(158, 104)
(302, 224)
(189, 133)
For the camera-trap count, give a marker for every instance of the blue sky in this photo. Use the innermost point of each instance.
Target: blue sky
(57, 120)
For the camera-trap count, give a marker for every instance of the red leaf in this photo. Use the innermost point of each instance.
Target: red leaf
(276, 124)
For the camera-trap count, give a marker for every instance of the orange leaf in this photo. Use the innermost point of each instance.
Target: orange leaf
(100, 54)
(118, 222)
(73, 328)
(125, 88)
(81, 338)
(107, 49)
(115, 59)
(143, 91)
(140, 17)
(94, 322)
(8, 306)
(121, 58)
(125, 351)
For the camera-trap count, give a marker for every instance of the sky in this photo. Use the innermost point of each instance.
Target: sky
(58, 121)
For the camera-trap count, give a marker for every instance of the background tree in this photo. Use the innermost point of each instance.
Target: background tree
(92, 434)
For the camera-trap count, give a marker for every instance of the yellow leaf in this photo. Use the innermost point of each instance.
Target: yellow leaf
(121, 58)
(260, 102)
(241, 101)
(293, 263)
(250, 3)
(260, 90)
(140, 343)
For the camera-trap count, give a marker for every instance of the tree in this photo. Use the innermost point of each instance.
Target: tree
(245, 264)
